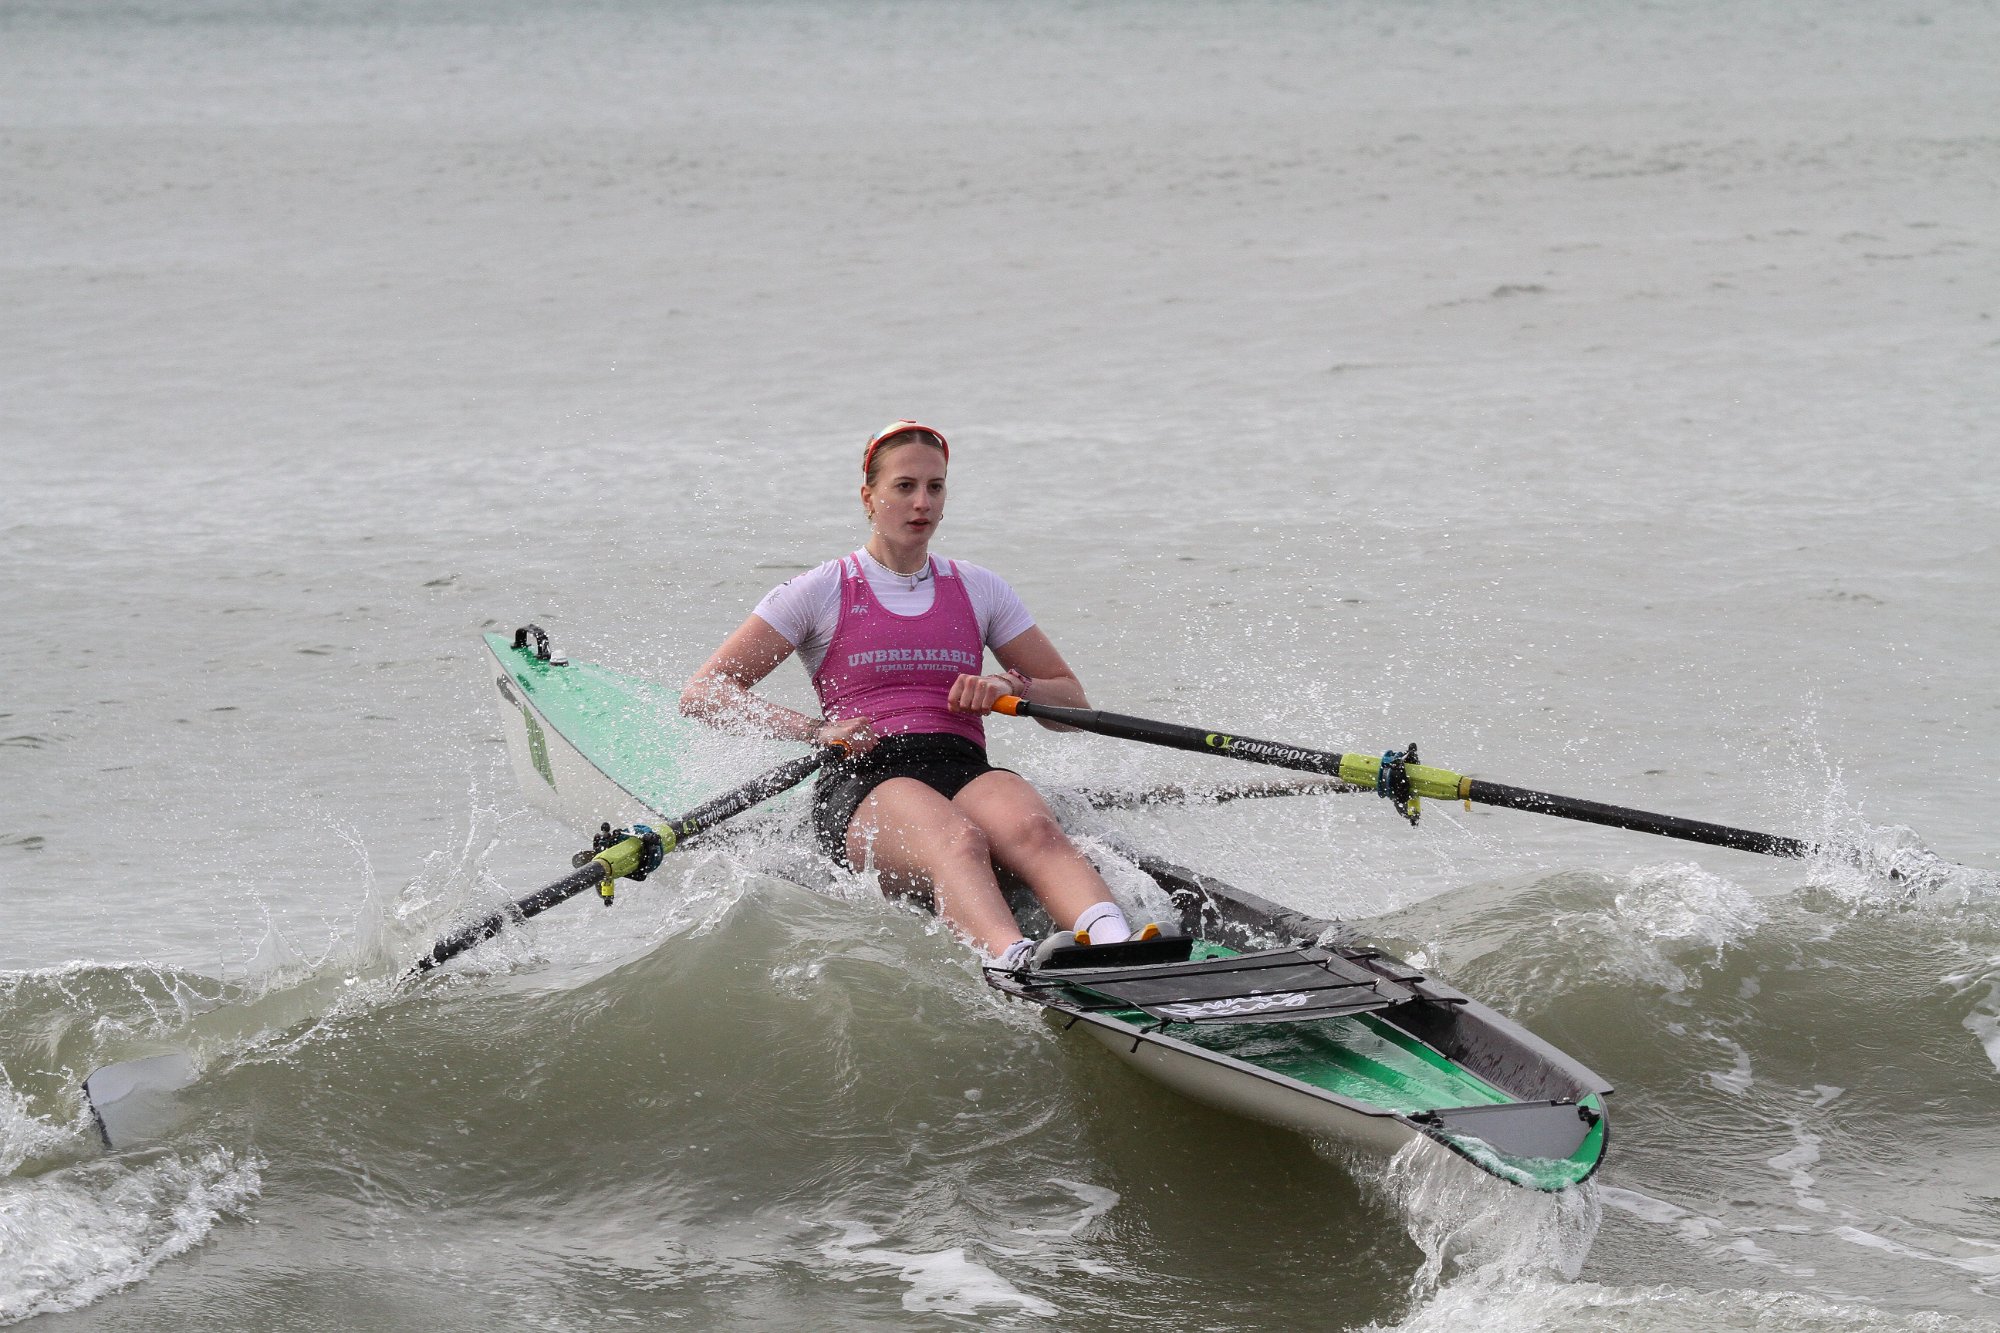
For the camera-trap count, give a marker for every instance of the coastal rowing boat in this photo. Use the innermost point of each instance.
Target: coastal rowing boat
(1252, 1008)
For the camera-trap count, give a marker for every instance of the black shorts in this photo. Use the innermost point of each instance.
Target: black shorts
(941, 761)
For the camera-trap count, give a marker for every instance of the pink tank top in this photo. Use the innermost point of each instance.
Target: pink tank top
(897, 670)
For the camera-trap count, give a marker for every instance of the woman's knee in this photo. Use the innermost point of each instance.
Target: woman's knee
(1035, 834)
(918, 834)
(965, 842)
(1013, 814)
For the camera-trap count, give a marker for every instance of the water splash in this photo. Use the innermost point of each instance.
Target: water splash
(1668, 909)
(73, 1236)
(23, 1134)
(1483, 1242)
(1869, 864)
(1889, 866)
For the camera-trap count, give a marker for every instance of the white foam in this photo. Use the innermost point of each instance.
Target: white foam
(71, 1237)
(1735, 1080)
(22, 1133)
(1983, 1022)
(941, 1282)
(1707, 1233)
(1642, 1206)
(1096, 1200)
(1987, 1266)
(1540, 1307)
(1793, 1166)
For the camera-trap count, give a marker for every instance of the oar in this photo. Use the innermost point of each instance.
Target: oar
(132, 1100)
(1401, 778)
(632, 857)
(1176, 793)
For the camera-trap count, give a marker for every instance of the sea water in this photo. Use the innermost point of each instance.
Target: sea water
(1602, 397)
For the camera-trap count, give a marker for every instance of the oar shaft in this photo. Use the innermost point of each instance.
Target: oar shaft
(622, 858)
(760, 788)
(541, 900)
(1436, 783)
(1175, 793)
(1615, 816)
(1177, 737)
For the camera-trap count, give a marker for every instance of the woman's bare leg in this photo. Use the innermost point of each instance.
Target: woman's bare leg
(922, 843)
(1027, 840)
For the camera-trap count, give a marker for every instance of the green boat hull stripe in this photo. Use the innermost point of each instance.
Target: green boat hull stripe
(603, 746)
(538, 745)
(627, 730)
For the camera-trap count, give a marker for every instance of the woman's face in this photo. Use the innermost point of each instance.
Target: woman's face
(906, 503)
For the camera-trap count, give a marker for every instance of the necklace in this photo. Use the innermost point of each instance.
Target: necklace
(911, 579)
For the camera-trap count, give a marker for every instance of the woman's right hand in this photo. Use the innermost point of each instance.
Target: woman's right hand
(852, 734)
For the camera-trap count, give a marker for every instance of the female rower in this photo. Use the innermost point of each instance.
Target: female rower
(895, 638)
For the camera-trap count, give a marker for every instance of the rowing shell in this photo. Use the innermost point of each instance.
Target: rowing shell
(1255, 1009)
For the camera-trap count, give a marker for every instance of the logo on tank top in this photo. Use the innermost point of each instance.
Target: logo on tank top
(922, 659)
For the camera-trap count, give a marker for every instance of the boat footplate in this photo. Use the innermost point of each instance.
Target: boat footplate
(1274, 986)
(1125, 953)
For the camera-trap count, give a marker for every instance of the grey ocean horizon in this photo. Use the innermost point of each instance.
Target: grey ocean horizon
(1604, 399)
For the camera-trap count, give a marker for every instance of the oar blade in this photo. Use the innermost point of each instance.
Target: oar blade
(134, 1101)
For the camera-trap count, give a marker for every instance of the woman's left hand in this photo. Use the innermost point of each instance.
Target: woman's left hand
(976, 694)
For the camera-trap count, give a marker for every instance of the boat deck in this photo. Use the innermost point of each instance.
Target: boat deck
(1357, 1057)
(1350, 1054)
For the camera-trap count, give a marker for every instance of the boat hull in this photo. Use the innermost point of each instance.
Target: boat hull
(1322, 1039)
(590, 745)
(552, 771)
(1241, 1090)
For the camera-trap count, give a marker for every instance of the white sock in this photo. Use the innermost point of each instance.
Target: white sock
(1013, 956)
(1104, 923)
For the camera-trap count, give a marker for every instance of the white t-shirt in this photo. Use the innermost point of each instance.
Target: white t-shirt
(806, 609)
